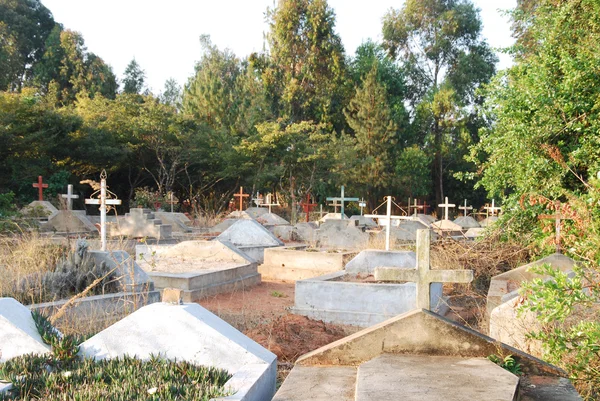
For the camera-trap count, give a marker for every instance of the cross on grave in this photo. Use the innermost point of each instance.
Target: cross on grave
(415, 207)
(389, 218)
(342, 201)
(269, 202)
(307, 206)
(362, 204)
(446, 205)
(172, 200)
(465, 208)
(69, 197)
(491, 210)
(557, 217)
(422, 275)
(241, 195)
(40, 186)
(106, 199)
(258, 200)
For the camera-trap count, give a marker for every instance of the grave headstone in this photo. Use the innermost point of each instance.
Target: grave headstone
(250, 237)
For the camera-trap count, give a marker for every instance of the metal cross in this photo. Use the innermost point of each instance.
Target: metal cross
(557, 217)
(106, 199)
(416, 207)
(258, 200)
(389, 218)
(69, 197)
(342, 200)
(362, 204)
(269, 202)
(491, 210)
(446, 205)
(465, 208)
(241, 195)
(40, 186)
(422, 275)
(307, 206)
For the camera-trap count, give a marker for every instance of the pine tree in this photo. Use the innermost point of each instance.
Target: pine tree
(134, 78)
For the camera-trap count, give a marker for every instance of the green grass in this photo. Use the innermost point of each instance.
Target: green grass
(278, 294)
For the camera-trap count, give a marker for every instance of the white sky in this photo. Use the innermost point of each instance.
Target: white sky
(163, 35)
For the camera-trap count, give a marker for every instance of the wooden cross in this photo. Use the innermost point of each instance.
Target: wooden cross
(422, 275)
(446, 205)
(416, 207)
(465, 208)
(342, 200)
(491, 210)
(426, 207)
(389, 218)
(69, 197)
(269, 202)
(362, 204)
(307, 206)
(106, 199)
(40, 186)
(557, 217)
(241, 195)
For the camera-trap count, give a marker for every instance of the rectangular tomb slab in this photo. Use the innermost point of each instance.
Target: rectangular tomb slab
(433, 378)
(326, 384)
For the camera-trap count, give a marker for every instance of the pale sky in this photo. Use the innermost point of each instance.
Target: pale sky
(163, 36)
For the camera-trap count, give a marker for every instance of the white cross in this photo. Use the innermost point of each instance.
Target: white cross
(362, 204)
(69, 197)
(422, 275)
(465, 208)
(446, 205)
(103, 201)
(269, 202)
(389, 218)
(258, 200)
(491, 210)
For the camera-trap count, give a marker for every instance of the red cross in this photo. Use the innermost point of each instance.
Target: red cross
(241, 195)
(307, 206)
(40, 186)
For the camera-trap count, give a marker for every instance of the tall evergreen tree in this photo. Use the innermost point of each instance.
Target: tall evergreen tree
(135, 76)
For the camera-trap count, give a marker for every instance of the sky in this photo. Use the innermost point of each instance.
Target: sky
(164, 36)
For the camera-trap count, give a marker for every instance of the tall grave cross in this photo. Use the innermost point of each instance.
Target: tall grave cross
(241, 195)
(69, 197)
(465, 208)
(491, 210)
(342, 200)
(422, 275)
(557, 217)
(106, 199)
(446, 205)
(258, 200)
(40, 186)
(415, 207)
(269, 202)
(307, 206)
(362, 204)
(389, 218)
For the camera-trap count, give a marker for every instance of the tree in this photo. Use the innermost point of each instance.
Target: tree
(375, 135)
(133, 81)
(172, 94)
(441, 45)
(306, 73)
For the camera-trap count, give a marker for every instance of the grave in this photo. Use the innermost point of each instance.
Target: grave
(341, 234)
(474, 232)
(306, 232)
(292, 263)
(446, 226)
(198, 268)
(419, 356)
(41, 210)
(506, 324)
(387, 219)
(251, 238)
(241, 195)
(271, 219)
(466, 222)
(18, 332)
(69, 221)
(425, 219)
(252, 212)
(406, 231)
(141, 223)
(188, 332)
(342, 202)
(353, 297)
(364, 221)
(333, 216)
(179, 222)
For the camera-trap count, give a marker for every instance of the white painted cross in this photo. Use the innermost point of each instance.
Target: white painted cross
(107, 199)
(422, 275)
(389, 218)
(491, 210)
(362, 204)
(465, 208)
(258, 200)
(269, 202)
(69, 197)
(342, 200)
(446, 206)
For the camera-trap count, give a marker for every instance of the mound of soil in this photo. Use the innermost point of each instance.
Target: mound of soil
(291, 336)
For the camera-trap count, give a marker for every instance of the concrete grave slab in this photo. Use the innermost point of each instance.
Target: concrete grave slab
(140, 223)
(473, 233)
(18, 332)
(47, 208)
(466, 222)
(488, 221)
(426, 218)
(179, 222)
(306, 232)
(406, 231)
(191, 333)
(446, 227)
(341, 234)
(222, 226)
(199, 268)
(292, 264)
(333, 216)
(271, 219)
(241, 215)
(69, 221)
(255, 212)
(284, 233)
(250, 237)
(130, 275)
(366, 261)
(399, 358)
(364, 221)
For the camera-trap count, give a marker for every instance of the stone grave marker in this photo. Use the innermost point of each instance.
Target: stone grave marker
(69, 196)
(422, 275)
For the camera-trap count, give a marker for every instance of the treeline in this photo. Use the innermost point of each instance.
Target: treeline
(395, 118)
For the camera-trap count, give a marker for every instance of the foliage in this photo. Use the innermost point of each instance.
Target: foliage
(507, 363)
(64, 375)
(133, 82)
